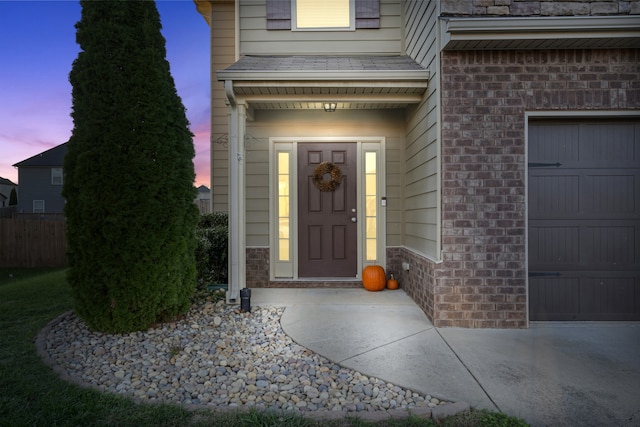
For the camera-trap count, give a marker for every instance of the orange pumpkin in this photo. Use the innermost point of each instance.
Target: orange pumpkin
(392, 283)
(373, 278)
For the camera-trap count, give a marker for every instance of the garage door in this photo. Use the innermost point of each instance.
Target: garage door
(584, 220)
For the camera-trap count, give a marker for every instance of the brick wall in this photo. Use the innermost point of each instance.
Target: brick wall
(539, 8)
(257, 274)
(419, 281)
(485, 94)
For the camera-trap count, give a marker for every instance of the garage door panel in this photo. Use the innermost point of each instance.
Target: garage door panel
(585, 296)
(553, 247)
(558, 193)
(555, 142)
(571, 194)
(603, 296)
(607, 143)
(612, 195)
(585, 244)
(552, 298)
(611, 247)
(584, 220)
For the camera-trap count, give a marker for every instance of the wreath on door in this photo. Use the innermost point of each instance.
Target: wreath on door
(323, 169)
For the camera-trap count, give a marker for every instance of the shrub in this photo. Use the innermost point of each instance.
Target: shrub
(212, 249)
(13, 197)
(128, 174)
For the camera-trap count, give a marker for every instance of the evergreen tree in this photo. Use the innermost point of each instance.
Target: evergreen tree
(128, 173)
(13, 197)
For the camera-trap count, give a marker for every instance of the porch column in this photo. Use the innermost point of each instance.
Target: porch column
(237, 251)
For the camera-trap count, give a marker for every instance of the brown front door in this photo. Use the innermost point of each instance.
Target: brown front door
(327, 231)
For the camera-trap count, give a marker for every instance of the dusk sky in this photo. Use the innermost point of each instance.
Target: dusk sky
(37, 49)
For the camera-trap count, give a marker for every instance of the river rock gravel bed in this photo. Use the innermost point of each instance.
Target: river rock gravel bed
(218, 356)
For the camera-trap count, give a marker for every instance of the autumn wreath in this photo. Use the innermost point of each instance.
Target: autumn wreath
(327, 168)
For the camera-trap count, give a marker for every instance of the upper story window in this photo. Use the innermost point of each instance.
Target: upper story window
(322, 15)
(57, 177)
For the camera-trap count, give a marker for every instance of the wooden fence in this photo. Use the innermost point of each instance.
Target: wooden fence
(29, 242)
(8, 212)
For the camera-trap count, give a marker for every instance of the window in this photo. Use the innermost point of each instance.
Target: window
(57, 177)
(282, 214)
(317, 14)
(284, 218)
(38, 206)
(325, 14)
(371, 205)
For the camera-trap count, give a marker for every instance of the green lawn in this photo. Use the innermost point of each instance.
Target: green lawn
(32, 395)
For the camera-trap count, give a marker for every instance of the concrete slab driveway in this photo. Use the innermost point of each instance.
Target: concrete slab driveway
(552, 374)
(557, 374)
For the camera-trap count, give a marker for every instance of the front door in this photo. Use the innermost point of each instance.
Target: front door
(327, 229)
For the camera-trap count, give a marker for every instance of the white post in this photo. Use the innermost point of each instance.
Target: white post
(237, 255)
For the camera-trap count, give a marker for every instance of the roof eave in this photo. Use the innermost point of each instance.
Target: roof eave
(324, 75)
(543, 32)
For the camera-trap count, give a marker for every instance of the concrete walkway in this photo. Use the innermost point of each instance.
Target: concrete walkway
(552, 374)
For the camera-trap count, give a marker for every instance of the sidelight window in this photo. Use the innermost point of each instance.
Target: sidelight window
(284, 198)
(371, 207)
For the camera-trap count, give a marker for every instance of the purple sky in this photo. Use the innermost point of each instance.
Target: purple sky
(37, 48)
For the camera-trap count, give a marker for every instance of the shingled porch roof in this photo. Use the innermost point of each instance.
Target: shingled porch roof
(304, 82)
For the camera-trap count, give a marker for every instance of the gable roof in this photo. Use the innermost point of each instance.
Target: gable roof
(300, 81)
(5, 181)
(51, 157)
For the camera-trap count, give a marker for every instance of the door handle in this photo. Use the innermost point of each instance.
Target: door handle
(354, 219)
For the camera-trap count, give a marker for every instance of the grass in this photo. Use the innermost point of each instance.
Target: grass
(31, 394)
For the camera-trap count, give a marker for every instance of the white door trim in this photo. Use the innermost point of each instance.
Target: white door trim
(289, 144)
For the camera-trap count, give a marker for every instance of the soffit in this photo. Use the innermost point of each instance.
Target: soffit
(584, 32)
(305, 82)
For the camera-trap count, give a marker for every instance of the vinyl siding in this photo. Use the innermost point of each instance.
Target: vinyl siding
(255, 39)
(222, 55)
(35, 184)
(384, 123)
(421, 174)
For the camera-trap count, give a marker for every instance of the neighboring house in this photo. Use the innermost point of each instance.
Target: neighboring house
(6, 186)
(41, 178)
(203, 200)
(489, 151)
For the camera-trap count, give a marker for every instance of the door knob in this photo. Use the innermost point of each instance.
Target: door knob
(354, 219)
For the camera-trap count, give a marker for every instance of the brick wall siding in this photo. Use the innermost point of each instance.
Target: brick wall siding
(539, 8)
(258, 275)
(485, 94)
(419, 281)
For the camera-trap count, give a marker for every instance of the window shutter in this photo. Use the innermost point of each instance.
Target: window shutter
(278, 14)
(367, 13)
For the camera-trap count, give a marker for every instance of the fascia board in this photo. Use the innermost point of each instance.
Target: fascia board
(412, 84)
(537, 28)
(328, 75)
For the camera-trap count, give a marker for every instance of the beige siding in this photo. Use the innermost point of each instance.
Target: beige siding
(222, 55)
(421, 173)
(384, 123)
(256, 40)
